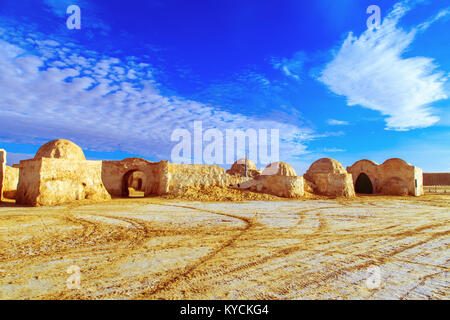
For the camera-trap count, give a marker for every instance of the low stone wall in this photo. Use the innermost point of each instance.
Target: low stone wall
(332, 184)
(281, 186)
(10, 182)
(44, 182)
(181, 176)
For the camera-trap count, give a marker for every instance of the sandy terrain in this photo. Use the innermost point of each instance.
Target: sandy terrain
(157, 248)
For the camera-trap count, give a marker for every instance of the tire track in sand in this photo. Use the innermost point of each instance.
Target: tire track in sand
(170, 282)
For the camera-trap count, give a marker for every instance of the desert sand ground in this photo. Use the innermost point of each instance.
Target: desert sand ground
(159, 248)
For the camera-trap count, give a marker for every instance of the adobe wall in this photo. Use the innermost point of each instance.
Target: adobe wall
(2, 171)
(328, 177)
(193, 175)
(392, 177)
(333, 184)
(370, 168)
(29, 182)
(11, 180)
(113, 172)
(281, 186)
(47, 181)
(418, 176)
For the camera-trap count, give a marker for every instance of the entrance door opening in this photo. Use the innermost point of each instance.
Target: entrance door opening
(133, 184)
(363, 184)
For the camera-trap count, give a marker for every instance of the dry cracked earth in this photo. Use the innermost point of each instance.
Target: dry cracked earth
(155, 248)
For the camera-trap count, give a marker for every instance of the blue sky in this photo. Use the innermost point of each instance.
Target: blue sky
(137, 70)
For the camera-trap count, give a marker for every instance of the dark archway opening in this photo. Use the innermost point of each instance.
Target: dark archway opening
(363, 184)
(133, 185)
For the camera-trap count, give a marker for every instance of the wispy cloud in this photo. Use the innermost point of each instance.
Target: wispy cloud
(52, 90)
(59, 7)
(293, 67)
(333, 150)
(14, 158)
(335, 122)
(90, 17)
(370, 71)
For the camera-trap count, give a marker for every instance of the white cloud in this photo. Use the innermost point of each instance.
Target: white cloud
(14, 158)
(59, 7)
(105, 104)
(90, 17)
(335, 122)
(291, 67)
(370, 71)
(333, 150)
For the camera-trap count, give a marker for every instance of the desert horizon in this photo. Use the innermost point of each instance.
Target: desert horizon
(223, 159)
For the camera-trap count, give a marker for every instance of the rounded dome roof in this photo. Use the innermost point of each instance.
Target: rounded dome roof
(60, 149)
(242, 162)
(326, 165)
(369, 162)
(397, 161)
(279, 168)
(238, 166)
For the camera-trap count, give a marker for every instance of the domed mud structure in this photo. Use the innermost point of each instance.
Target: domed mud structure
(60, 173)
(278, 179)
(60, 149)
(325, 165)
(393, 177)
(328, 177)
(279, 168)
(240, 166)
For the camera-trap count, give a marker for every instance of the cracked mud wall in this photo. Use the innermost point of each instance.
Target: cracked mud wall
(46, 181)
(10, 182)
(181, 176)
(328, 177)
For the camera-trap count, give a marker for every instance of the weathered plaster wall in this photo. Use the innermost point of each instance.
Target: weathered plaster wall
(9, 178)
(392, 177)
(368, 167)
(418, 176)
(333, 184)
(10, 183)
(113, 173)
(47, 181)
(192, 175)
(328, 177)
(29, 182)
(278, 185)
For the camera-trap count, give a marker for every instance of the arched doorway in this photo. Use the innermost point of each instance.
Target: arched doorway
(133, 184)
(363, 184)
